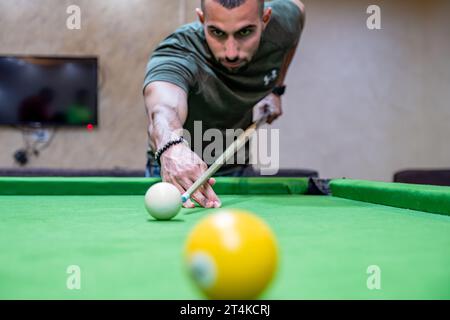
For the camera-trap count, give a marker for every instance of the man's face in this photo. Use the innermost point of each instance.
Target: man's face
(233, 35)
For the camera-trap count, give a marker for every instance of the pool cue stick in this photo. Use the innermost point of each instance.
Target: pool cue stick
(229, 152)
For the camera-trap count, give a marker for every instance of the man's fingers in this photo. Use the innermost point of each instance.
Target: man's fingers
(202, 200)
(260, 105)
(273, 117)
(206, 196)
(270, 111)
(197, 196)
(264, 110)
(188, 203)
(211, 195)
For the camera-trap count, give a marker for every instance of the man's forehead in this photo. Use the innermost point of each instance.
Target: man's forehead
(219, 16)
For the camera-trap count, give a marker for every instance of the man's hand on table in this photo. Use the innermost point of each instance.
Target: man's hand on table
(182, 167)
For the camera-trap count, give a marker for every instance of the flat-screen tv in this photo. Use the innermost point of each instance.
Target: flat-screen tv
(56, 91)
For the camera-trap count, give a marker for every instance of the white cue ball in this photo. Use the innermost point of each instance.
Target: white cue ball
(163, 201)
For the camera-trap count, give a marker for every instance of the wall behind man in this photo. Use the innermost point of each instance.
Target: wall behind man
(370, 102)
(122, 34)
(361, 103)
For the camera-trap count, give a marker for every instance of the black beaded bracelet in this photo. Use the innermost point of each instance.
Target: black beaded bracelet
(165, 147)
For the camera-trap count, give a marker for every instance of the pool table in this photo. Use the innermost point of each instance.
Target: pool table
(367, 240)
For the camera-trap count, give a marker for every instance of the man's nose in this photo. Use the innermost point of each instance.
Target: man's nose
(231, 50)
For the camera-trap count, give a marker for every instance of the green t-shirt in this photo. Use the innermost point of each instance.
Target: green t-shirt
(218, 98)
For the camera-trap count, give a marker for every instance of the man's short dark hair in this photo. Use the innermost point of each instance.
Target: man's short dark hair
(230, 4)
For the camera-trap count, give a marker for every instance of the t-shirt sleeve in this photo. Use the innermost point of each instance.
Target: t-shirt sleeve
(171, 65)
(287, 20)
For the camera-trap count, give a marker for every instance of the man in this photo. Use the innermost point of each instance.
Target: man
(216, 71)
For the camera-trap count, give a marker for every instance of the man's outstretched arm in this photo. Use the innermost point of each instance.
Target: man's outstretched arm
(166, 106)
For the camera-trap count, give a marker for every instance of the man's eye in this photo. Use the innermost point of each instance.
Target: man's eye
(217, 33)
(245, 32)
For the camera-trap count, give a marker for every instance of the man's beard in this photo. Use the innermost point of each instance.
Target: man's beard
(241, 68)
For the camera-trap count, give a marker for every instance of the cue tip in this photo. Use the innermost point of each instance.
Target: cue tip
(184, 197)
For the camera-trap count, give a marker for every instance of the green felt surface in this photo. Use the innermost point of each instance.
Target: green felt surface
(138, 186)
(434, 199)
(326, 246)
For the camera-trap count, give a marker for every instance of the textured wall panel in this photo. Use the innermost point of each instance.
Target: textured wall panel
(122, 34)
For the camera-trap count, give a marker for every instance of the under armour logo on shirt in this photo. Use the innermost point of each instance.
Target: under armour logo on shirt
(270, 77)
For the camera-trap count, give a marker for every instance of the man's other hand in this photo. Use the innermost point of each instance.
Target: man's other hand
(271, 105)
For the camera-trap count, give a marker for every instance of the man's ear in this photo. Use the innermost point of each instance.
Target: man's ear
(266, 16)
(200, 15)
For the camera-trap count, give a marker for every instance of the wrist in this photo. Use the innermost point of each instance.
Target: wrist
(279, 90)
(167, 146)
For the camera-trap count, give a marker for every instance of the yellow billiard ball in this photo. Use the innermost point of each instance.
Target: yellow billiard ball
(231, 254)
